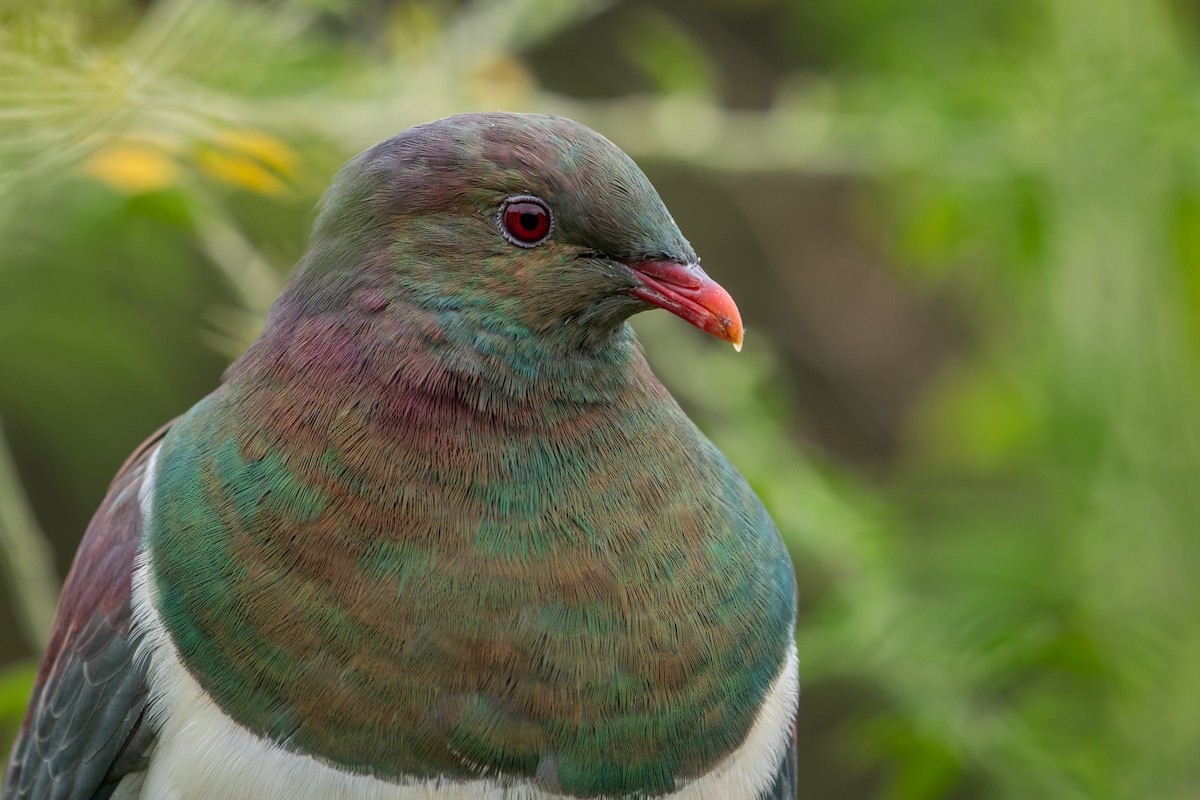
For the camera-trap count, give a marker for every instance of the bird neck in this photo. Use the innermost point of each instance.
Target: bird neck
(353, 331)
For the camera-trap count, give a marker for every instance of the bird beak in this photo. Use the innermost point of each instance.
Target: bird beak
(685, 291)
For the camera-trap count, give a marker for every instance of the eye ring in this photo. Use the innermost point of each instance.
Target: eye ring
(525, 220)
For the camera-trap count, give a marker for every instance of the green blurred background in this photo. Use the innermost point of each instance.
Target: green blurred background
(965, 237)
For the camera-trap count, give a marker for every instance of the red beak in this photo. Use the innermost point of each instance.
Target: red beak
(685, 291)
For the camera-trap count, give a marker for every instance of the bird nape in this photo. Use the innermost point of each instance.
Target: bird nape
(440, 532)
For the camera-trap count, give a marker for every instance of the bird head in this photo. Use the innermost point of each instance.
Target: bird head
(522, 220)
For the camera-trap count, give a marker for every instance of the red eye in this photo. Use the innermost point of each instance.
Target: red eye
(526, 221)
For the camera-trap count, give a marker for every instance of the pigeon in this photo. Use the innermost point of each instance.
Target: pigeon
(440, 532)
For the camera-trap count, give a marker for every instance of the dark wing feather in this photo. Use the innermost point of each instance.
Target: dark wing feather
(85, 728)
(784, 787)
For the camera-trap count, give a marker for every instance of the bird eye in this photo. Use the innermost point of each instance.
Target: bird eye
(525, 221)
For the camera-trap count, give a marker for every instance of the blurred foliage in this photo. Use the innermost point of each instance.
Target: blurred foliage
(966, 237)
(16, 682)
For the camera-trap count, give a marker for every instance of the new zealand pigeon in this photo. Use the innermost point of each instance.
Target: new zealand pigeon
(440, 532)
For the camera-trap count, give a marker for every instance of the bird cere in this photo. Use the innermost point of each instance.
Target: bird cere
(440, 531)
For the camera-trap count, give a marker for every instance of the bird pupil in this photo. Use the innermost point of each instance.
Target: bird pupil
(529, 221)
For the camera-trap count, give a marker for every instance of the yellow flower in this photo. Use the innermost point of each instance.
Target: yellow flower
(133, 167)
(250, 159)
(267, 149)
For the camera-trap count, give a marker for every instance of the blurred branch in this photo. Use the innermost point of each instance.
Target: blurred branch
(791, 137)
(255, 283)
(246, 271)
(25, 555)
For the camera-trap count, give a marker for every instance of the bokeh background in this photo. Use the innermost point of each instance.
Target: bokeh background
(965, 237)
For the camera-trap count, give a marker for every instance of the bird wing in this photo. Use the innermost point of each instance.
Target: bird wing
(86, 728)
